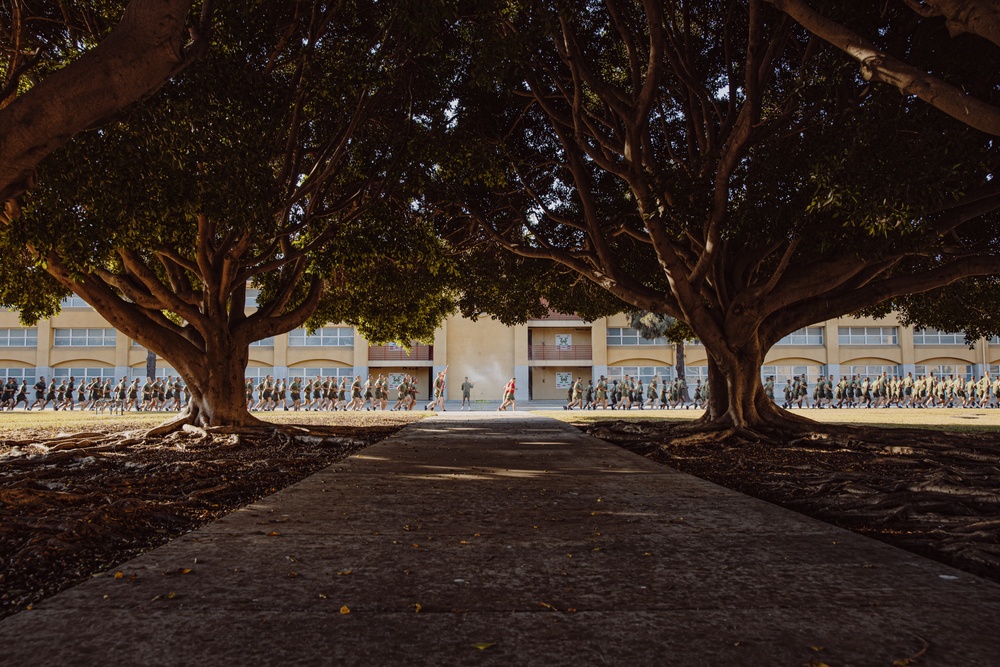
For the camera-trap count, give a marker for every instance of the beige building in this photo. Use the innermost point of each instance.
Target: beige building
(544, 356)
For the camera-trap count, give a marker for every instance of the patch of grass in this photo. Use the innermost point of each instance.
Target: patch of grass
(21, 425)
(958, 420)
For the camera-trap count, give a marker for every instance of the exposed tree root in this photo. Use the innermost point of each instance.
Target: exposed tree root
(77, 503)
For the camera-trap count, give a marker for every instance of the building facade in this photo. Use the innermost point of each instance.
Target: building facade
(544, 356)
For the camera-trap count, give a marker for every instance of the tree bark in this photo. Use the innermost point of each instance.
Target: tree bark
(150, 365)
(218, 392)
(219, 399)
(736, 394)
(679, 367)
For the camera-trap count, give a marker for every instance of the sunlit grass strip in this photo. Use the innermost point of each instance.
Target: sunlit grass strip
(948, 419)
(20, 424)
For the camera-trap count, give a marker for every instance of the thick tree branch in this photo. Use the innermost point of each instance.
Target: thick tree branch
(154, 331)
(144, 51)
(815, 310)
(288, 284)
(979, 17)
(258, 327)
(877, 65)
(170, 301)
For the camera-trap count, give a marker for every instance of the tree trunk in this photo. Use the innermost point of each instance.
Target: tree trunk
(736, 394)
(150, 365)
(679, 368)
(218, 389)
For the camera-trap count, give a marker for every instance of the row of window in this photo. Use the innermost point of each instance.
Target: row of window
(28, 337)
(815, 336)
(617, 336)
(625, 336)
(781, 374)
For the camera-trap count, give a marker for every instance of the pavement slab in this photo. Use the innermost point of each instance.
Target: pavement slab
(514, 539)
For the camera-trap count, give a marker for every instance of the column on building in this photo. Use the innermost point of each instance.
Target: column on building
(360, 362)
(122, 345)
(982, 358)
(43, 350)
(907, 351)
(521, 361)
(281, 357)
(599, 345)
(831, 339)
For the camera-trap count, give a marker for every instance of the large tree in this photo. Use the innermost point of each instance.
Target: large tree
(274, 162)
(63, 69)
(715, 162)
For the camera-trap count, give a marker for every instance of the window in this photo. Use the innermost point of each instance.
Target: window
(935, 337)
(84, 337)
(806, 336)
(694, 373)
(782, 374)
(18, 374)
(83, 374)
(644, 373)
(868, 336)
(622, 336)
(252, 297)
(871, 371)
(162, 372)
(73, 302)
(258, 373)
(332, 336)
(267, 342)
(995, 340)
(19, 337)
(313, 372)
(963, 371)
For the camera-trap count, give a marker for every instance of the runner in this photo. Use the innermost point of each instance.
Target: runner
(508, 397)
(439, 388)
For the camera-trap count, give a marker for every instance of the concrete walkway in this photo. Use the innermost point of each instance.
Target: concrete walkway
(513, 539)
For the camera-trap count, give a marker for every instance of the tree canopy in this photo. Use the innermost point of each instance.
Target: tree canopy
(276, 163)
(720, 164)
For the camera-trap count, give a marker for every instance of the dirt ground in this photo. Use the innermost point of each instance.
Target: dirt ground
(75, 506)
(934, 492)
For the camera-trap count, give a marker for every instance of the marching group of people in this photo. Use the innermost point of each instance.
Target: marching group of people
(333, 394)
(330, 394)
(885, 391)
(96, 394)
(630, 393)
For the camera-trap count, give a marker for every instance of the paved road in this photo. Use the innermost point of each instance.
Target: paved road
(513, 539)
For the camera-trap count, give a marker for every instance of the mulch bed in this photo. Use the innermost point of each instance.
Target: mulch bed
(74, 507)
(931, 492)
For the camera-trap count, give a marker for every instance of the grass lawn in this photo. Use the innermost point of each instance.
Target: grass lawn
(945, 419)
(21, 425)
